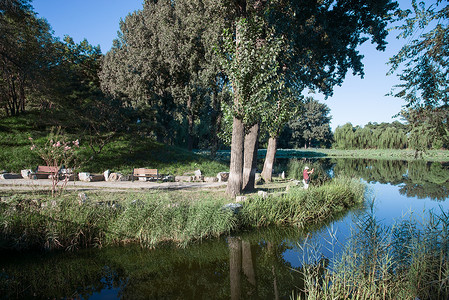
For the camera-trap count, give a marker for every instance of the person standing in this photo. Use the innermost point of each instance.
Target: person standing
(306, 177)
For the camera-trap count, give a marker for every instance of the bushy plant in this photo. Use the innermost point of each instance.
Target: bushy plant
(301, 207)
(58, 152)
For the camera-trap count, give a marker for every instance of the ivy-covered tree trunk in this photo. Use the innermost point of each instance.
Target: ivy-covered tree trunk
(235, 181)
(251, 145)
(269, 159)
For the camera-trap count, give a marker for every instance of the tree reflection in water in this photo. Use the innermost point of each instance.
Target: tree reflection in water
(248, 266)
(418, 178)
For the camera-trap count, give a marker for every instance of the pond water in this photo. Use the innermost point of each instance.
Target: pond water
(262, 264)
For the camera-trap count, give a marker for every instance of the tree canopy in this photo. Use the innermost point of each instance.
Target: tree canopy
(319, 45)
(310, 128)
(163, 64)
(424, 58)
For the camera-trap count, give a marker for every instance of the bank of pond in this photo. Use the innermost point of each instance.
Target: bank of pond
(383, 237)
(79, 220)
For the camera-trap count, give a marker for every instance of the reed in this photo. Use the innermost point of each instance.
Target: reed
(409, 260)
(70, 222)
(301, 207)
(148, 219)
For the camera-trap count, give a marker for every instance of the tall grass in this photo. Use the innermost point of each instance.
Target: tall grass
(409, 260)
(34, 221)
(301, 207)
(146, 219)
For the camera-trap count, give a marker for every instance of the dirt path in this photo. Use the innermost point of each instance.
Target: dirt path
(45, 184)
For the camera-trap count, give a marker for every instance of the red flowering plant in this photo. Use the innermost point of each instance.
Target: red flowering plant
(59, 153)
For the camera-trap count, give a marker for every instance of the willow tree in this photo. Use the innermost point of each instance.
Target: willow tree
(319, 39)
(423, 69)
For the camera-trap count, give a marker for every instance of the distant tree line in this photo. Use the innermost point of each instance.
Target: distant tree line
(371, 136)
(423, 129)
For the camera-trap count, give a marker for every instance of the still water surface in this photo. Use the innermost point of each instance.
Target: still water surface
(262, 264)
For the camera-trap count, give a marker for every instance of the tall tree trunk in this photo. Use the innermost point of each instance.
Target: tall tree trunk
(234, 187)
(250, 158)
(235, 181)
(190, 120)
(269, 159)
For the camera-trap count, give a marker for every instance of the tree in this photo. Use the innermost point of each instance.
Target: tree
(286, 106)
(312, 126)
(344, 137)
(319, 46)
(163, 62)
(427, 128)
(425, 76)
(26, 46)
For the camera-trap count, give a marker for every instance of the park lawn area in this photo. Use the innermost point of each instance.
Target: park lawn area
(123, 153)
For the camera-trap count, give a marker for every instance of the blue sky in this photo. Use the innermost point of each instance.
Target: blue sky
(358, 101)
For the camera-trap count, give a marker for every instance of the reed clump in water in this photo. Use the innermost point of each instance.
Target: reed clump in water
(409, 260)
(301, 207)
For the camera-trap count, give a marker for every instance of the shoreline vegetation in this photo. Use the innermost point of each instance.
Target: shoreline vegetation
(392, 154)
(407, 260)
(70, 222)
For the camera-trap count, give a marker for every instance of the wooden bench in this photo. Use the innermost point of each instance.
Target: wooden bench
(146, 173)
(45, 170)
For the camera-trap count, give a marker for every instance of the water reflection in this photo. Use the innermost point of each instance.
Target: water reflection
(236, 268)
(419, 179)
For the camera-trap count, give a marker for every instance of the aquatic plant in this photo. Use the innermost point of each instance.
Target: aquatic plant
(301, 207)
(409, 260)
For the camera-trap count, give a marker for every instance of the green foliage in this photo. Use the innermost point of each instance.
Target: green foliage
(26, 52)
(424, 56)
(309, 128)
(250, 59)
(372, 136)
(428, 127)
(162, 64)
